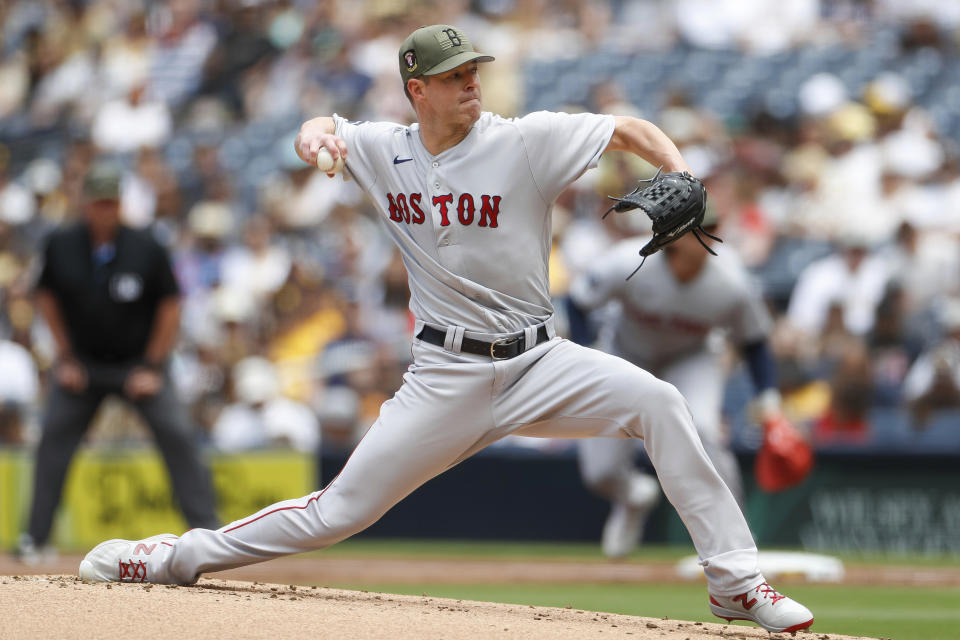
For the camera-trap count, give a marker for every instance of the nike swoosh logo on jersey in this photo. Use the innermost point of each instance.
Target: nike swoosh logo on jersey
(397, 159)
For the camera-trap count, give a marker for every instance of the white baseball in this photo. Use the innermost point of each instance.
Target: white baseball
(326, 163)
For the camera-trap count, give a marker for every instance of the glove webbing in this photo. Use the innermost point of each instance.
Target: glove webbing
(620, 200)
(696, 230)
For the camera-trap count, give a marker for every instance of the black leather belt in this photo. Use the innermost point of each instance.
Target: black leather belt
(502, 349)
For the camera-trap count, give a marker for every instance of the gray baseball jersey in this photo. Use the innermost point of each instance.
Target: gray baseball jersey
(457, 223)
(661, 319)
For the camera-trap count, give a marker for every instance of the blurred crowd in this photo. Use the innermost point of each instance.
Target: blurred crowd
(846, 204)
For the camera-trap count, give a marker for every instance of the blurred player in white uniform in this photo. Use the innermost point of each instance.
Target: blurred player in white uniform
(466, 195)
(667, 319)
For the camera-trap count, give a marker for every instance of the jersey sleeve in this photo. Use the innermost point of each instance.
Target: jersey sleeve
(366, 142)
(560, 147)
(602, 281)
(47, 278)
(751, 319)
(166, 282)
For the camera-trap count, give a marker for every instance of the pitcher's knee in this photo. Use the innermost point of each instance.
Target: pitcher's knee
(663, 404)
(340, 528)
(335, 520)
(666, 397)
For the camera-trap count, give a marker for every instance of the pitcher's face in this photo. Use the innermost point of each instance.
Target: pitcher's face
(455, 95)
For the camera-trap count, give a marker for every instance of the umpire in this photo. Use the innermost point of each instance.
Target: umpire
(109, 297)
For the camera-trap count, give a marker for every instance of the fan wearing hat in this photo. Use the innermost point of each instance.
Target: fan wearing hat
(110, 300)
(933, 382)
(467, 195)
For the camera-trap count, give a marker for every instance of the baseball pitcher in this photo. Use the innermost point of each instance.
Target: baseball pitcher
(466, 195)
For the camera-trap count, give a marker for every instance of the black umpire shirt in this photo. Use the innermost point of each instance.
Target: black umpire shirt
(108, 298)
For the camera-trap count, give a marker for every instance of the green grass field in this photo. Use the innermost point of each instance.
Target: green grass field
(898, 612)
(901, 613)
(581, 551)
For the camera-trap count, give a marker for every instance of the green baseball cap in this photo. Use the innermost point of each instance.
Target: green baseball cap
(436, 49)
(102, 182)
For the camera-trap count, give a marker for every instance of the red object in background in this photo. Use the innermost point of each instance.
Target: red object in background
(832, 428)
(785, 459)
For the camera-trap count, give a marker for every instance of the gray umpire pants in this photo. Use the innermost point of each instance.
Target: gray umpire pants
(68, 417)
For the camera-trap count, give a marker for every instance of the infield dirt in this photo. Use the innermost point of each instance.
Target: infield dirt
(54, 606)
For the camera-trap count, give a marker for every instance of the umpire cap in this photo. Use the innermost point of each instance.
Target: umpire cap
(436, 49)
(102, 182)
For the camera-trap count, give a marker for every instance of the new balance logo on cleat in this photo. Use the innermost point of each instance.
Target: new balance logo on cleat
(773, 611)
(126, 560)
(743, 600)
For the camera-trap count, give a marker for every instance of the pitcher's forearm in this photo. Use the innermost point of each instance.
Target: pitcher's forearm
(646, 140)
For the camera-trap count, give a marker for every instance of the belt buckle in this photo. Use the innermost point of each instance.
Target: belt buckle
(504, 342)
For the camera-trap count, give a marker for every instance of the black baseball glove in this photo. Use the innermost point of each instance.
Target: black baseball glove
(675, 202)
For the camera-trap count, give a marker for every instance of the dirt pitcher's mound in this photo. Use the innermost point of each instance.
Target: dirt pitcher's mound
(62, 606)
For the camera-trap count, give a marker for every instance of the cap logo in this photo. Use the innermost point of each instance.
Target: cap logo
(410, 58)
(448, 38)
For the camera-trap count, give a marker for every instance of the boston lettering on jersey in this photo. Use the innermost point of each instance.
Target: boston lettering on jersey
(407, 208)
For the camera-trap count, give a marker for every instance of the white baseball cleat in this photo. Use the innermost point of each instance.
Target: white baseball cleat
(624, 526)
(774, 612)
(123, 560)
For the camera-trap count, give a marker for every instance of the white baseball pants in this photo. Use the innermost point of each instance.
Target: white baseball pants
(606, 465)
(451, 406)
